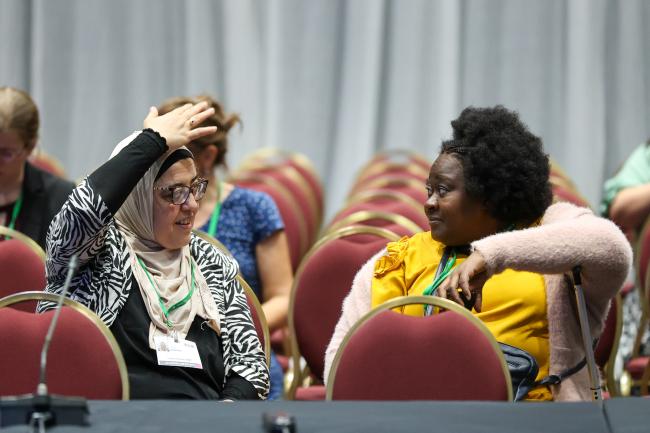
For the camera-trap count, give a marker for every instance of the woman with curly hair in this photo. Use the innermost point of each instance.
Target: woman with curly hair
(505, 248)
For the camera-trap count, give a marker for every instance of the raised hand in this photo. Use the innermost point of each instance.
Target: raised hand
(469, 276)
(179, 126)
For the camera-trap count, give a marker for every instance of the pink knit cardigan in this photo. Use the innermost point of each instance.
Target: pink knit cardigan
(568, 236)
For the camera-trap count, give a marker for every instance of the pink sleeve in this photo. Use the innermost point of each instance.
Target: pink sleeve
(568, 236)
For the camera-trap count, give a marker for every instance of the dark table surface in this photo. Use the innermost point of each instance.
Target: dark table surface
(618, 415)
(628, 415)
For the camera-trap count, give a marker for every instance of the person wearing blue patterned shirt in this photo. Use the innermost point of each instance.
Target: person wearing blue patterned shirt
(247, 222)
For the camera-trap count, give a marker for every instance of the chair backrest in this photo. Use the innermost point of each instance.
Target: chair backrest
(410, 187)
(278, 157)
(48, 163)
(292, 215)
(396, 156)
(295, 183)
(391, 356)
(22, 265)
(379, 170)
(561, 193)
(605, 352)
(396, 223)
(320, 285)
(416, 215)
(257, 313)
(84, 358)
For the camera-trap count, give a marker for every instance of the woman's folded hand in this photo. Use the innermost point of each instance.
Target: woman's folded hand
(466, 280)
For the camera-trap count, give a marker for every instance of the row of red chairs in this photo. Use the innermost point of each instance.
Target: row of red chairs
(291, 180)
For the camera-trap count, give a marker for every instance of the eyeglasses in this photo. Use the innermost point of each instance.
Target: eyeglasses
(8, 154)
(179, 194)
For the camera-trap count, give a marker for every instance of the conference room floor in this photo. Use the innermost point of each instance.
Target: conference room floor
(616, 415)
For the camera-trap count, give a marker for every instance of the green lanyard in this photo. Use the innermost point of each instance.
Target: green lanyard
(14, 213)
(177, 305)
(214, 220)
(439, 278)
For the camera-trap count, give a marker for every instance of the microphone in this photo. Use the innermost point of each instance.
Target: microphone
(41, 410)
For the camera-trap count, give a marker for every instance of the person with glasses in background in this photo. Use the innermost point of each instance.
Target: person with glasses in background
(171, 299)
(29, 196)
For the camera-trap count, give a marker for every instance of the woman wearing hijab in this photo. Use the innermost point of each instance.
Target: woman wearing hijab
(156, 285)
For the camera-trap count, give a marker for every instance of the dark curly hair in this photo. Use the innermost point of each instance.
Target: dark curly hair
(503, 163)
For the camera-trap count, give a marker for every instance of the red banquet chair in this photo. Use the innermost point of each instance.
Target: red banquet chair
(48, 163)
(396, 157)
(297, 186)
(22, 265)
(398, 224)
(414, 214)
(561, 193)
(605, 352)
(391, 356)
(292, 215)
(321, 283)
(411, 187)
(84, 358)
(270, 156)
(378, 171)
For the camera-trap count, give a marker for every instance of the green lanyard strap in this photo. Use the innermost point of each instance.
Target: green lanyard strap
(177, 305)
(14, 213)
(214, 219)
(440, 277)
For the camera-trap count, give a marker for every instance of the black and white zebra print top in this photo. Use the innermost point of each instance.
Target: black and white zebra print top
(85, 227)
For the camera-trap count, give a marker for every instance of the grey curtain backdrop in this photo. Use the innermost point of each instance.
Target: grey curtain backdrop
(337, 80)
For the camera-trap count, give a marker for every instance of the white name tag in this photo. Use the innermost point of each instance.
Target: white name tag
(181, 353)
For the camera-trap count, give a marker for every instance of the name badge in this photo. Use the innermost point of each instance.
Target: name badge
(181, 353)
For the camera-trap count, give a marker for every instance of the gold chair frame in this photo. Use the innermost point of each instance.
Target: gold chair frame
(387, 181)
(266, 154)
(386, 155)
(258, 168)
(365, 215)
(403, 301)
(296, 374)
(15, 234)
(90, 315)
(370, 195)
(383, 166)
(303, 232)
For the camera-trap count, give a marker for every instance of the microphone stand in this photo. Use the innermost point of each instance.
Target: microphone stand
(43, 409)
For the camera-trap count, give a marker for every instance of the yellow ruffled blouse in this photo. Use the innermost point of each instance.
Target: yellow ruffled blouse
(514, 302)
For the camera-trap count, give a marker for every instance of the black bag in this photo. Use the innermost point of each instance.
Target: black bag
(524, 369)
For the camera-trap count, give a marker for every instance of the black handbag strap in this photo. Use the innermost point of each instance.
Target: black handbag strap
(554, 379)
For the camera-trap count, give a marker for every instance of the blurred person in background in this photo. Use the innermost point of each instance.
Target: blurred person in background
(247, 222)
(626, 201)
(626, 196)
(29, 196)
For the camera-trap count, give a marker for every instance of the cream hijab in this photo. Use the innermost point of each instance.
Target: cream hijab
(169, 270)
